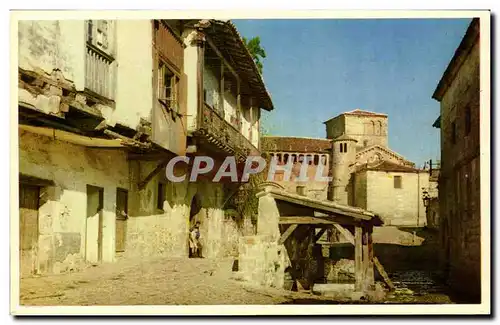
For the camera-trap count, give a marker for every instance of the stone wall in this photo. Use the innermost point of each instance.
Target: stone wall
(262, 261)
(460, 178)
(397, 206)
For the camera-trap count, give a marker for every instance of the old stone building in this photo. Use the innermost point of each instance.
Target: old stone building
(365, 172)
(458, 92)
(104, 105)
(316, 151)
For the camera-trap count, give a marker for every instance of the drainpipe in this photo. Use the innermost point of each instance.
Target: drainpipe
(418, 198)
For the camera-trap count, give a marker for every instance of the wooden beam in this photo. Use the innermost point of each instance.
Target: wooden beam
(287, 233)
(319, 234)
(219, 54)
(155, 171)
(304, 220)
(346, 233)
(358, 258)
(382, 272)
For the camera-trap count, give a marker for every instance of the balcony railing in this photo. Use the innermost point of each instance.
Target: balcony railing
(224, 136)
(99, 72)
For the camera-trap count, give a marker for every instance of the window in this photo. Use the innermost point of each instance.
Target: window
(467, 120)
(365, 143)
(398, 182)
(345, 147)
(100, 53)
(341, 147)
(161, 195)
(168, 88)
(453, 133)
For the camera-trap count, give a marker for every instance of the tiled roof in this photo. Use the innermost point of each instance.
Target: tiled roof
(344, 137)
(359, 112)
(229, 42)
(295, 144)
(388, 166)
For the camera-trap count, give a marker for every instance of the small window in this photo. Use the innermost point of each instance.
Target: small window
(168, 87)
(398, 182)
(341, 147)
(467, 120)
(345, 147)
(365, 143)
(453, 133)
(161, 195)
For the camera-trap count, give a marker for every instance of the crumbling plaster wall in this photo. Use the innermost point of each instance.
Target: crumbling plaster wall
(53, 44)
(62, 217)
(45, 46)
(164, 232)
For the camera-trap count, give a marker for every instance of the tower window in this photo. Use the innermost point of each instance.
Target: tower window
(341, 147)
(398, 182)
(345, 147)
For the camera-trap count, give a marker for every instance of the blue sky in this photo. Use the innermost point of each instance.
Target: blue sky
(317, 69)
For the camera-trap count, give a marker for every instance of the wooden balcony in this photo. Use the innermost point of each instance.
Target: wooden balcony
(222, 136)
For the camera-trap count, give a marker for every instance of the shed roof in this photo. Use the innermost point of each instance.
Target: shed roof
(328, 208)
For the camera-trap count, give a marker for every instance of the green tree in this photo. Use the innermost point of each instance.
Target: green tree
(256, 50)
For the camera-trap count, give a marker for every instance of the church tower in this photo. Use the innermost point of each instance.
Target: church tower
(343, 156)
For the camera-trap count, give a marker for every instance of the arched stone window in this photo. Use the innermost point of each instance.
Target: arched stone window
(285, 158)
(378, 127)
(372, 127)
(310, 159)
(382, 128)
(294, 157)
(316, 160)
(324, 160)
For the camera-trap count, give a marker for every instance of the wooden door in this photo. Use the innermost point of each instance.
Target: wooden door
(28, 227)
(95, 197)
(121, 219)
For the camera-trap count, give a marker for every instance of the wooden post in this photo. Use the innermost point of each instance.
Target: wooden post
(358, 258)
(221, 90)
(369, 277)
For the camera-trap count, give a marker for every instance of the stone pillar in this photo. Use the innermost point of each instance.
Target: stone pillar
(268, 217)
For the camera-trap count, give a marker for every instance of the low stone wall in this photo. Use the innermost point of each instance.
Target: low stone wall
(262, 261)
(158, 235)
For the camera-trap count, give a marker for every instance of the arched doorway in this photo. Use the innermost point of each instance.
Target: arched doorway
(195, 209)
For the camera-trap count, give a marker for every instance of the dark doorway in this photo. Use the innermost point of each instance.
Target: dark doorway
(28, 227)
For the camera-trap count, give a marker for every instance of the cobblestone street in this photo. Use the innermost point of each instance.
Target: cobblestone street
(168, 282)
(152, 282)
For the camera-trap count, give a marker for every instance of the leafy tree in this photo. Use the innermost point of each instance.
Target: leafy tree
(258, 53)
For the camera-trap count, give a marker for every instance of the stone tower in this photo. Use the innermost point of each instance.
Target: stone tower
(343, 156)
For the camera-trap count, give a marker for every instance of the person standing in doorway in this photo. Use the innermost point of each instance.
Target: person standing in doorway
(194, 241)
